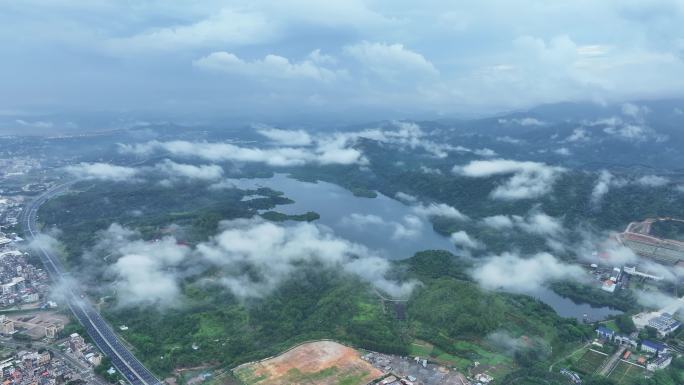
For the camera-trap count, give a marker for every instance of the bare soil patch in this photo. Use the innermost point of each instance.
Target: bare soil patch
(314, 363)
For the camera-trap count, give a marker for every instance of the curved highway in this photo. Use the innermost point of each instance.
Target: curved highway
(98, 329)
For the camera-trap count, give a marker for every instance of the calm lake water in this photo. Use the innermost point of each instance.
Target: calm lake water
(387, 226)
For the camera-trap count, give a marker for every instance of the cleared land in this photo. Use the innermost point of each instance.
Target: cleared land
(626, 373)
(319, 363)
(590, 362)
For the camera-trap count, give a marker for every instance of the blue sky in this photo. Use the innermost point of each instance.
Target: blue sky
(369, 59)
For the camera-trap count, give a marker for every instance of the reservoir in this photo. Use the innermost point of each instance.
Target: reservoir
(387, 226)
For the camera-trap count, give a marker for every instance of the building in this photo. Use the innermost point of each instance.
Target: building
(609, 286)
(664, 323)
(51, 331)
(632, 270)
(625, 340)
(660, 362)
(653, 347)
(605, 333)
(6, 326)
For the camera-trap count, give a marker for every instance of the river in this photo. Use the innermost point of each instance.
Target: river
(387, 226)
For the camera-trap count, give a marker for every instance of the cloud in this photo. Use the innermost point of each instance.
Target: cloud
(578, 135)
(564, 151)
(334, 148)
(102, 171)
(439, 210)
(654, 299)
(286, 137)
(540, 224)
(271, 66)
(409, 227)
(225, 27)
(206, 172)
(221, 151)
(528, 180)
(444, 59)
(464, 241)
(601, 187)
(606, 180)
(406, 198)
(390, 60)
(498, 222)
(511, 272)
(652, 181)
(35, 124)
(525, 122)
(535, 223)
(274, 252)
(249, 257)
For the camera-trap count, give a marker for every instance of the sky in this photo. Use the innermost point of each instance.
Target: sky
(334, 59)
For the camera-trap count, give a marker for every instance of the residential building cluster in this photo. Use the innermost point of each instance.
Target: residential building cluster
(21, 283)
(651, 355)
(77, 347)
(10, 211)
(36, 368)
(14, 166)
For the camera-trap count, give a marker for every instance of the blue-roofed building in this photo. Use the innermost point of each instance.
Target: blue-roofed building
(664, 323)
(653, 347)
(605, 332)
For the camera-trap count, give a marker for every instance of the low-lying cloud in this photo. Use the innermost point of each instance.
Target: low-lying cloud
(514, 273)
(528, 179)
(102, 171)
(252, 257)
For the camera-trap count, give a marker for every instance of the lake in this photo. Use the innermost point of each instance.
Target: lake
(387, 226)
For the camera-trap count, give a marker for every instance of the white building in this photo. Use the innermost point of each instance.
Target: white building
(660, 362)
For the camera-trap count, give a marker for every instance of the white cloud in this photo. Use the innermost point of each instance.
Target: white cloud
(653, 181)
(439, 210)
(144, 271)
(271, 66)
(225, 27)
(498, 222)
(36, 124)
(206, 172)
(409, 227)
(563, 151)
(462, 240)
(406, 198)
(601, 187)
(334, 148)
(525, 122)
(578, 135)
(284, 156)
(286, 137)
(486, 152)
(540, 224)
(102, 171)
(511, 272)
(274, 252)
(389, 61)
(528, 180)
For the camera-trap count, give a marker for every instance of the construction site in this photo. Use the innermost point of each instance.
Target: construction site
(637, 236)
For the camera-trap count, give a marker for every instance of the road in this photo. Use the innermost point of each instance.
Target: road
(612, 361)
(97, 328)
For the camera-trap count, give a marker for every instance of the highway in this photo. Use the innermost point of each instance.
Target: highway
(97, 328)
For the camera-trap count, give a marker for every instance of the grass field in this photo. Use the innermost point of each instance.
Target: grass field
(626, 374)
(465, 353)
(590, 362)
